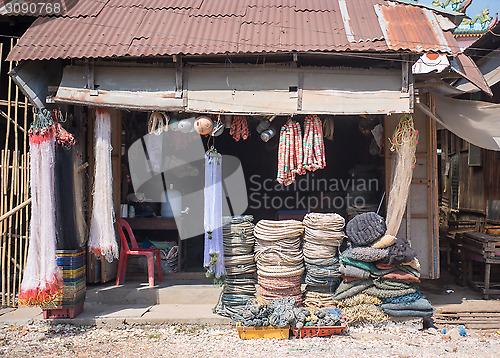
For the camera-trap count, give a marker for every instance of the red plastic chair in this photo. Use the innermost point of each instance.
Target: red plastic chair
(125, 251)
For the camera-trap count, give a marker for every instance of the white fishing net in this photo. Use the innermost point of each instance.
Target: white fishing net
(404, 142)
(213, 254)
(102, 240)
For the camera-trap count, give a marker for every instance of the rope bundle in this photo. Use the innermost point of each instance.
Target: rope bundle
(273, 288)
(239, 128)
(269, 230)
(323, 235)
(318, 299)
(279, 259)
(290, 153)
(239, 285)
(314, 147)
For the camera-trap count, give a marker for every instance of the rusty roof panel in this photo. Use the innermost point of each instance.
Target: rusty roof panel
(221, 8)
(156, 4)
(364, 24)
(413, 28)
(101, 36)
(165, 27)
(262, 15)
(179, 33)
(320, 30)
(77, 8)
(271, 3)
(316, 5)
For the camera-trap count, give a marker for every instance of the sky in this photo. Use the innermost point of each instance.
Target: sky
(476, 7)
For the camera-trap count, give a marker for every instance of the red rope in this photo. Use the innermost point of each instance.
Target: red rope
(239, 128)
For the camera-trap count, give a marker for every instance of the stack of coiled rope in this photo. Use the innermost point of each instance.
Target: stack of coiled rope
(239, 284)
(323, 235)
(279, 259)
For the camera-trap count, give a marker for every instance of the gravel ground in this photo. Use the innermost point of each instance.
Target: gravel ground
(390, 340)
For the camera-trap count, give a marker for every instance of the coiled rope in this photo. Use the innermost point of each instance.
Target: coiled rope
(279, 259)
(239, 284)
(323, 235)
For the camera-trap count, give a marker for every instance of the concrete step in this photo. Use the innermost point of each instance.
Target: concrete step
(184, 292)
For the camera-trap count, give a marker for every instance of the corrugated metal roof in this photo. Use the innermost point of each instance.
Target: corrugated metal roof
(413, 28)
(165, 27)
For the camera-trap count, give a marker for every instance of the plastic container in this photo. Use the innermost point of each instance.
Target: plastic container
(171, 203)
(318, 331)
(131, 212)
(268, 332)
(66, 312)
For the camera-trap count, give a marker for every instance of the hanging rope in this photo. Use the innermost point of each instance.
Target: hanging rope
(290, 153)
(314, 148)
(62, 136)
(328, 128)
(239, 128)
(42, 281)
(102, 239)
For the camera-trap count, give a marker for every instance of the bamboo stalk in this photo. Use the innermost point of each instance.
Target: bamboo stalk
(9, 99)
(16, 224)
(21, 224)
(25, 125)
(27, 218)
(7, 229)
(2, 237)
(16, 113)
(5, 103)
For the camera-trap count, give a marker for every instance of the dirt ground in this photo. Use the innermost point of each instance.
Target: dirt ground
(390, 340)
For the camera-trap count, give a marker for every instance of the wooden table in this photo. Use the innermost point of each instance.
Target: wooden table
(487, 248)
(139, 223)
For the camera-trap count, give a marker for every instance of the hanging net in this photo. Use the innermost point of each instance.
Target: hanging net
(213, 259)
(404, 143)
(102, 240)
(42, 280)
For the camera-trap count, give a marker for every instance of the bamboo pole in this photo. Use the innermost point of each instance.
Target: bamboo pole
(2, 236)
(5, 199)
(15, 210)
(9, 229)
(16, 113)
(16, 224)
(9, 99)
(21, 224)
(27, 216)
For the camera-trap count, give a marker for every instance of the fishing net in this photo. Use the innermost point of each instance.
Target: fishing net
(102, 240)
(404, 142)
(42, 280)
(213, 259)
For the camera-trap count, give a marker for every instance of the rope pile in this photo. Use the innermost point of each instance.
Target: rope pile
(239, 284)
(323, 235)
(389, 274)
(279, 259)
